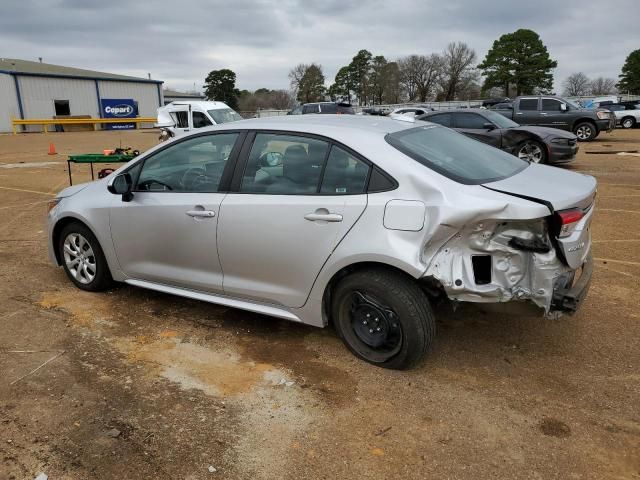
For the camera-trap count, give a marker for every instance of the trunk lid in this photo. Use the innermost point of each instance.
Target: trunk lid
(559, 189)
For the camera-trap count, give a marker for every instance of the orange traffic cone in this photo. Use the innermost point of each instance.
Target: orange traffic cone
(52, 149)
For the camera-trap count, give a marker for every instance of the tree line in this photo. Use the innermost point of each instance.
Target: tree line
(517, 63)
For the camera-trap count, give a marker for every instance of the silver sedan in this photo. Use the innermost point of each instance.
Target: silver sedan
(359, 221)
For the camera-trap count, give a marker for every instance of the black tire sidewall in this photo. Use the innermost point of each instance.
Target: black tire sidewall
(594, 131)
(407, 301)
(103, 279)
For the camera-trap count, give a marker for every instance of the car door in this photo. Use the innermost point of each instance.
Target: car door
(527, 112)
(167, 232)
(552, 115)
(181, 118)
(296, 197)
(474, 125)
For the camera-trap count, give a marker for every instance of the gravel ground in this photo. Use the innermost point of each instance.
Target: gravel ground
(145, 385)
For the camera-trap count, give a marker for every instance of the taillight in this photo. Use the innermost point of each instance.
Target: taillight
(568, 220)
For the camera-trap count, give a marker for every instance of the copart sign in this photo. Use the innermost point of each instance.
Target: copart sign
(118, 108)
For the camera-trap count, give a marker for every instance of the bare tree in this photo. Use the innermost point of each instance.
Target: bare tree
(577, 84)
(296, 75)
(457, 68)
(419, 75)
(603, 86)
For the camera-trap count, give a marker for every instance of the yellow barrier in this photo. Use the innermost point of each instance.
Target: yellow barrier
(77, 121)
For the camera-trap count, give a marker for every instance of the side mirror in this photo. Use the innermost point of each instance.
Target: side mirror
(489, 126)
(122, 185)
(563, 107)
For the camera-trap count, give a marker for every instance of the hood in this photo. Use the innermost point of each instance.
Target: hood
(544, 132)
(556, 187)
(72, 190)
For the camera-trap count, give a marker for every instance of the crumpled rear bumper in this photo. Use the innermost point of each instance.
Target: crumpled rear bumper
(567, 294)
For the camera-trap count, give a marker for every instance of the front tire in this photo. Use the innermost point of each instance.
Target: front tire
(585, 131)
(532, 151)
(628, 122)
(383, 317)
(83, 259)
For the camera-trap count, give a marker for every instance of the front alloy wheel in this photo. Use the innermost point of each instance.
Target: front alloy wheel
(585, 132)
(79, 258)
(532, 152)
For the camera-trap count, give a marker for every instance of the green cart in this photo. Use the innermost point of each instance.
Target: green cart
(92, 158)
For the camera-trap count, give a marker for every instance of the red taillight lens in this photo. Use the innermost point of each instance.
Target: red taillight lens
(568, 219)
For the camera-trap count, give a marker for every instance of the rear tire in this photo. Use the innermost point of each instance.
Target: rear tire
(83, 259)
(628, 122)
(383, 317)
(532, 151)
(585, 131)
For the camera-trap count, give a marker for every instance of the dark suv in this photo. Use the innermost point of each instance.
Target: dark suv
(324, 107)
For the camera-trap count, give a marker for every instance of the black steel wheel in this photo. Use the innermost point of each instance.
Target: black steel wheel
(383, 317)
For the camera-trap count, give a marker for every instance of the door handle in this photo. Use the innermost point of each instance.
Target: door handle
(323, 217)
(201, 213)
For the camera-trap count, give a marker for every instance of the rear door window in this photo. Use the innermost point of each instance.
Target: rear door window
(310, 109)
(344, 173)
(443, 119)
(529, 104)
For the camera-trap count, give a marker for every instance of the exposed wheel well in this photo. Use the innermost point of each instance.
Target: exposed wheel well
(57, 229)
(432, 287)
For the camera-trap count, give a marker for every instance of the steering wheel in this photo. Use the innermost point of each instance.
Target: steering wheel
(191, 175)
(147, 183)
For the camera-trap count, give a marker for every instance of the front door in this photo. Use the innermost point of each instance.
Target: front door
(551, 115)
(298, 197)
(167, 232)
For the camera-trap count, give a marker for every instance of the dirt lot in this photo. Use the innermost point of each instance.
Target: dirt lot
(146, 385)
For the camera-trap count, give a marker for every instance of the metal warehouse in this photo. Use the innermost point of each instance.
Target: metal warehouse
(36, 90)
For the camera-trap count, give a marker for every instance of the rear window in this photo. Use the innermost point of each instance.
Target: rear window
(456, 156)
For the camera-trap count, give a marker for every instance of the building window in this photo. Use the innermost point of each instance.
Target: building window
(62, 107)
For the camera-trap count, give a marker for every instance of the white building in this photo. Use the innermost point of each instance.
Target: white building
(35, 90)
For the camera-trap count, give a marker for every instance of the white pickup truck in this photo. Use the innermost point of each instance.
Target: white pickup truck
(178, 118)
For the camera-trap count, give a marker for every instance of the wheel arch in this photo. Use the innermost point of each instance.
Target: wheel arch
(57, 230)
(584, 120)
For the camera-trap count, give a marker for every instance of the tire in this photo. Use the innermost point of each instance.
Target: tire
(532, 151)
(402, 325)
(585, 131)
(628, 122)
(78, 246)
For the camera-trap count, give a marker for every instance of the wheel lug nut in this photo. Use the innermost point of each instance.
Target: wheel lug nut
(364, 322)
(368, 315)
(371, 330)
(377, 319)
(378, 329)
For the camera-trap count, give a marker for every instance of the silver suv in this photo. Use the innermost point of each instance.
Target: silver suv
(354, 220)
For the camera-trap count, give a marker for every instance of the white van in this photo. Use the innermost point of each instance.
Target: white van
(177, 118)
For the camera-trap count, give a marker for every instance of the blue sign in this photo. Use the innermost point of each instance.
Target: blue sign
(118, 108)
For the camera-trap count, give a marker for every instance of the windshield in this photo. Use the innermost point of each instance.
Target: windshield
(500, 120)
(224, 115)
(456, 156)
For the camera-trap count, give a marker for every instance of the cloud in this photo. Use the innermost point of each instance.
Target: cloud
(180, 42)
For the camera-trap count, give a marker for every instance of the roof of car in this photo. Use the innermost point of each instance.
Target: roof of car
(466, 110)
(203, 104)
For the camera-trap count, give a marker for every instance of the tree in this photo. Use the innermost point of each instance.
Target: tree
(359, 70)
(377, 78)
(603, 86)
(263, 98)
(630, 77)
(521, 59)
(457, 71)
(419, 75)
(576, 85)
(342, 85)
(220, 85)
(307, 81)
(392, 90)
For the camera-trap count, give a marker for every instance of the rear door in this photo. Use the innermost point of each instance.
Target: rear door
(527, 111)
(296, 197)
(474, 125)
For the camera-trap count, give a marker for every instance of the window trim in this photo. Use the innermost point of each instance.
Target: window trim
(243, 161)
(225, 179)
(454, 117)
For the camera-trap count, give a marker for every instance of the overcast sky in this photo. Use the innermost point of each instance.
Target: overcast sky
(180, 41)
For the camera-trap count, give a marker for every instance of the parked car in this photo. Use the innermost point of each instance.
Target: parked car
(355, 220)
(535, 144)
(324, 107)
(178, 118)
(557, 112)
(492, 102)
(410, 110)
(627, 114)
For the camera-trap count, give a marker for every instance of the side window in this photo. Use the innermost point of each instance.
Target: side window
(310, 109)
(195, 165)
(329, 108)
(181, 119)
(284, 164)
(470, 121)
(344, 173)
(529, 104)
(550, 105)
(200, 120)
(443, 119)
